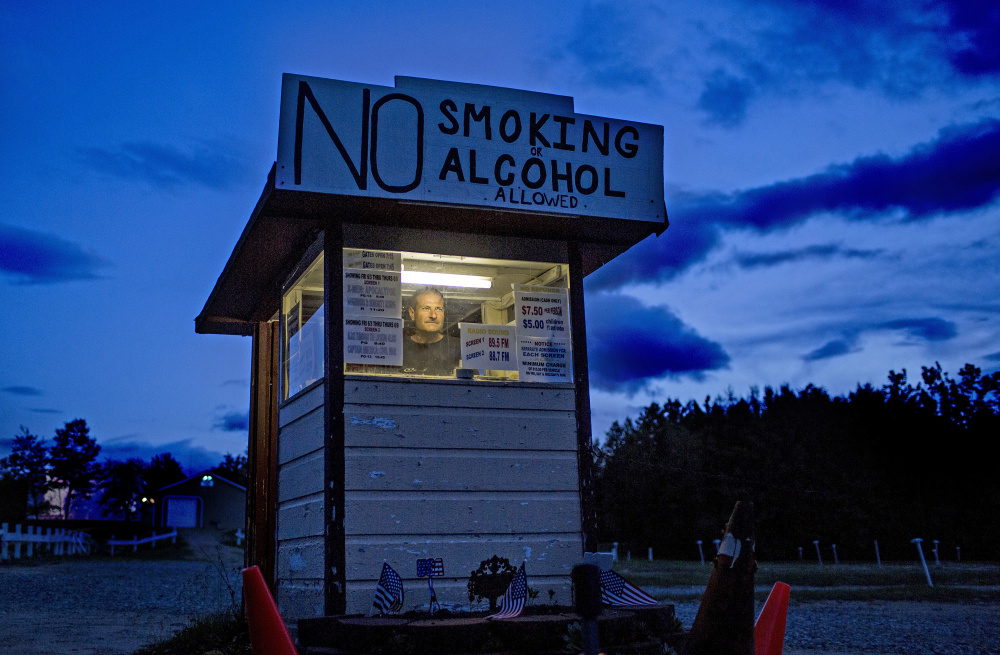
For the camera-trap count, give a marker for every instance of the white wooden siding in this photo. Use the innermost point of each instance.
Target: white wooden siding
(300, 522)
(463, 472)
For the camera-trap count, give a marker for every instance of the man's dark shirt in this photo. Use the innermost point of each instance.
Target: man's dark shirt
(438, 358)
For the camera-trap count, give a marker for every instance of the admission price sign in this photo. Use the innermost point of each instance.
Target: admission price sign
(488, 347)
(541, 311)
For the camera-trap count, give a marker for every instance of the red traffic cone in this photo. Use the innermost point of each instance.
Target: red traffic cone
(268, 634)
(769, 631)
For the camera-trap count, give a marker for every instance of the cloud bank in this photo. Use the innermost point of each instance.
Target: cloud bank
(785, 48)
(20, 390)
(630, 344)
(958, 171)
(233, 422)
(166, 166)
(916, 329)
(29, 257)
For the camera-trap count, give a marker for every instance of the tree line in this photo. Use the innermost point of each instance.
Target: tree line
(70, 465)
(889, 463)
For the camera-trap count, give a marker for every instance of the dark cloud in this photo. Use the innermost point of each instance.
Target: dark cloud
(22, 391)
(994, 357)
(29, 257)
(899, 48)
(825, 251)
(926, 329)
(684, 244)
(831, 349)
(929, 329)
(40, 410)
(959, 171)
(233, 422)
(976, 26)
(166, 166)
(629, 344)
(725, 98)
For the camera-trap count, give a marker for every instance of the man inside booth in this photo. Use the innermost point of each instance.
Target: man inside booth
(429, 350)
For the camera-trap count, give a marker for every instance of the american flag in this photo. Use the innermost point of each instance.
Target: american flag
(513, 598)
(388, 591)
(615, 590)
(430, 567)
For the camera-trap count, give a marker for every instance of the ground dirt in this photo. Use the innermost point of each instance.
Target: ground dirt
(113, 605)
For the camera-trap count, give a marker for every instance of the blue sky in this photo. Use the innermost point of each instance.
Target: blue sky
(832, 175)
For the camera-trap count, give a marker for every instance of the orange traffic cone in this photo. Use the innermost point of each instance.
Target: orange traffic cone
(268, 634)
(769, 631)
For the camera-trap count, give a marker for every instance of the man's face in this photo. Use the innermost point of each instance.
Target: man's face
(428, 312)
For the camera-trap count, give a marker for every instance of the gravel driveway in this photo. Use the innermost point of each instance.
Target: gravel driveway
(112, 606)
(885, 627)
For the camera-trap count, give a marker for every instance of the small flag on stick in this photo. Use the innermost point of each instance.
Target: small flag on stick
(513, 598)
(388, 591)
(616, 590)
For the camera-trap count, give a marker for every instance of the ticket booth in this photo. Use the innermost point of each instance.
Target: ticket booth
(412, 278)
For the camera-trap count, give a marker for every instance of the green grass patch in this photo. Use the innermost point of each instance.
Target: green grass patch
(685, 581)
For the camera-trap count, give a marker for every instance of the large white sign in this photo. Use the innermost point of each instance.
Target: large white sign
(466, 144)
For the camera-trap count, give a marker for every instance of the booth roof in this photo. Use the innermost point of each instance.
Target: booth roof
(285, 223)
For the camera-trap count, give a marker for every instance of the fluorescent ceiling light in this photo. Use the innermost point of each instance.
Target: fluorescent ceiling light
(446, 280)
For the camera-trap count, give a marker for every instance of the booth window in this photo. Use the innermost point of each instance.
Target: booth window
(302, 315)
(427, 315)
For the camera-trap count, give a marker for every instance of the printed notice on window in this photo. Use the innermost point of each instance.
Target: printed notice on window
(543, 360)
(373, 260)
(372, 293)
(488, 347)
(373, 341)
(541, 311)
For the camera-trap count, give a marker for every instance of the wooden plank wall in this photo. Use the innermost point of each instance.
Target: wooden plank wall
(459, 471)
(300, 516)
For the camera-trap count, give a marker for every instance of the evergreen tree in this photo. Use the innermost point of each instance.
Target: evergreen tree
(885, 463)
(73, 461)
(162, 470)
(122, 485)
(27, 470)
(233, 469)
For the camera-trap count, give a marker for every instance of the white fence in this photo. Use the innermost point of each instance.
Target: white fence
(15, 544)
(135, 541)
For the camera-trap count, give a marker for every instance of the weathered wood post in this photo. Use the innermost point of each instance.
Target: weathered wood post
(725, 621)
(412, 276)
